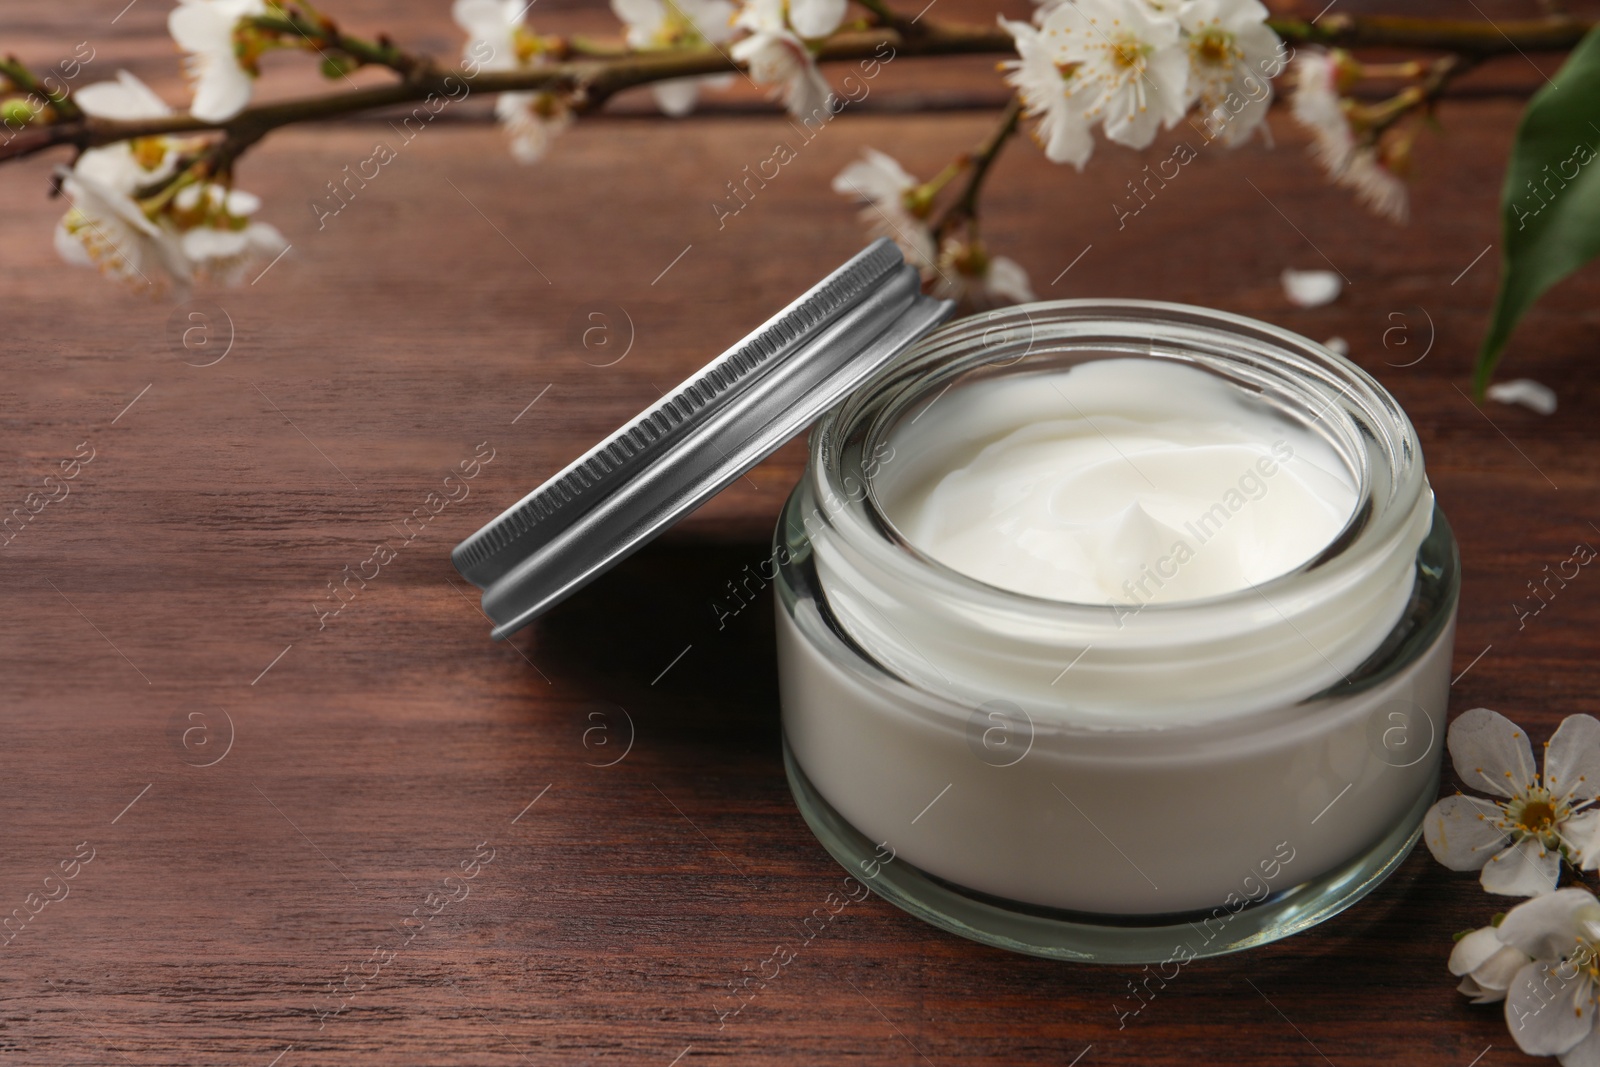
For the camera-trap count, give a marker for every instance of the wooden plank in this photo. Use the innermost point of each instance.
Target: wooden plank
(185, 573)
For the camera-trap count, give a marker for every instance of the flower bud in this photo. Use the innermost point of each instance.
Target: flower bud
(16, 112)
(337, 66)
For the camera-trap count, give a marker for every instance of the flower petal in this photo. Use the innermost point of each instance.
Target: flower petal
(1548, 926)
(1474, 950)
(816, 18)
(1549, 1008)
(1582, 833)
(1462, 832)
(712, 18)
(1169, 72)
(1008, 279)
(1311, 288)
(645, 15)
(676, 96)
(1572, 759)
(1480, 995)
(1496, 974)
(125, 98)
(1585, 1053)
(1535, 396)
(200, 27)
(1491, 752)
(874, 178)
(1525, 869)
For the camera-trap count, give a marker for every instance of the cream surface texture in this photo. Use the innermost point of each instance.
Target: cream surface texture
(1111, 496)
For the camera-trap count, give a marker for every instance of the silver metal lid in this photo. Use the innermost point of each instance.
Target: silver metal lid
(677, 454)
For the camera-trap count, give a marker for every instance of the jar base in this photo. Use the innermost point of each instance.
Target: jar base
(1119, 939)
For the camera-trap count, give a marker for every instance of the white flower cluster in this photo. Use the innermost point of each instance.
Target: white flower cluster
(1519, 838)
(1543, 958)
(223, 78)
(898, 207)
(776, 49)
(1134, 66)
(497, 40)
(192, 229)
(1366, 169)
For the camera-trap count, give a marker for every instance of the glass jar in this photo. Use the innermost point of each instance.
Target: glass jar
(1078, 781)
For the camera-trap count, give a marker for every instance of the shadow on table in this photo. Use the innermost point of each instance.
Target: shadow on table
(681, 632)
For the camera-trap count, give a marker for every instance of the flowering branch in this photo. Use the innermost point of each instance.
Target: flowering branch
(154, 188)
(591, 80)
(598, 75)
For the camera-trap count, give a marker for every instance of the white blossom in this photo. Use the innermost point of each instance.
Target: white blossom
(1551, 1002)
(205, 30)
(125, 98)
(978, 281)
(220, 240)
(202, 230)
(776, 55)
(1362, 168)
(532, 120)
(816, 18)
(1232, 58)
(1131, 60)
(1486, 965)
(106, 228)
(1049, 87)
(1518, 840)
(883, 185)
(656, 24)
(1316, 105)
(1375, 184)
(109, 230)
(126, 165)
(496, 39)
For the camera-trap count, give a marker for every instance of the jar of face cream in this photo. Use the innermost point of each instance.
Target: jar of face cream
(1107, 630)
(1116, 631)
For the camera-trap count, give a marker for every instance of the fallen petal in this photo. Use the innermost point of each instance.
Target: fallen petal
(1311, 288)
(1525, 391)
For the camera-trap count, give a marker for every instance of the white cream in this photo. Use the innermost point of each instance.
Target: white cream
(1108, 495)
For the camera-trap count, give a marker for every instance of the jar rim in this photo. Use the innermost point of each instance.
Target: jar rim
(1357, 400)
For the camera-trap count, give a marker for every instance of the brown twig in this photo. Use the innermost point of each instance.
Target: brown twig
(321, 34)
(1557, 33)
(1416, 97)
(964, 207)
(23, 78)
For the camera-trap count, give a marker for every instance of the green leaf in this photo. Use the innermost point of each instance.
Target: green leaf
(1550, 207)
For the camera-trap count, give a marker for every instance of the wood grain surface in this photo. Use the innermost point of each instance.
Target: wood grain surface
(269, 792)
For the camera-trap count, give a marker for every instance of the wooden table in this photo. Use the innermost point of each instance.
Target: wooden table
(269, 793)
